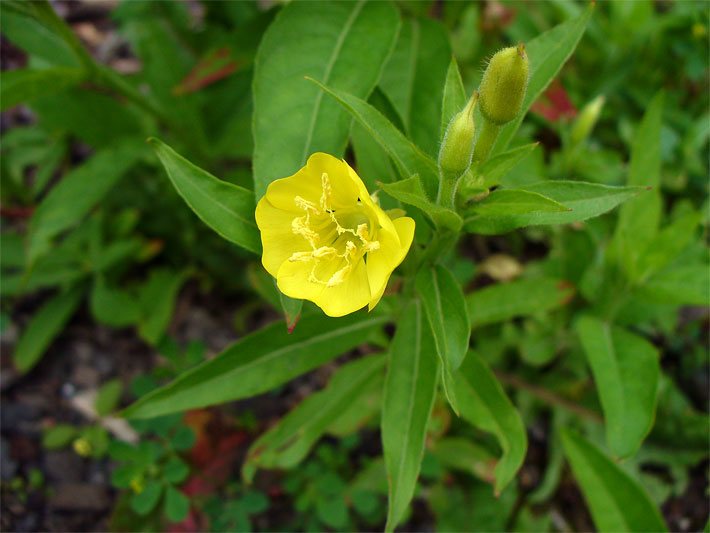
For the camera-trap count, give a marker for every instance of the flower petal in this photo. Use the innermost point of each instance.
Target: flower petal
(393, 250)
(343, 181)
(349, 296)
(277, 240)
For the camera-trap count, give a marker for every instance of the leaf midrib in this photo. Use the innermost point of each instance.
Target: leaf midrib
(218, 203)
(326, 75)
(410, 410)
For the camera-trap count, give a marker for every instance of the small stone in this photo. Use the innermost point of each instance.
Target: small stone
(68, 390)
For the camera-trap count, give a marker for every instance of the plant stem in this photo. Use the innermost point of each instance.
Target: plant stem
(446, 196)
(486, 140)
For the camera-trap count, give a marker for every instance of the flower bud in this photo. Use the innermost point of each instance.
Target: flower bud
(504, 84)
(586, 120)
(457, 147)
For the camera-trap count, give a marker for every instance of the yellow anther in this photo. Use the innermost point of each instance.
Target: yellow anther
(304, 204)
(324, 251)
(299, 226)
(338, 277)
(301, 256)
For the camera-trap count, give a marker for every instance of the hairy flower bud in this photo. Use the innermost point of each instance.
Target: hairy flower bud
(457, 147)
(504, 84)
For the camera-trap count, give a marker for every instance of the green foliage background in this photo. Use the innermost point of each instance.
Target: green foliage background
(565, 297)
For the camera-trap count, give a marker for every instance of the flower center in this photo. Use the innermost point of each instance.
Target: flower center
(339, 238)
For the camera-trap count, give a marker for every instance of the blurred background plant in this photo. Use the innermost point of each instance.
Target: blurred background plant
(112, 287)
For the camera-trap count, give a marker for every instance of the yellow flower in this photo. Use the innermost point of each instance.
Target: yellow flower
(325, 240)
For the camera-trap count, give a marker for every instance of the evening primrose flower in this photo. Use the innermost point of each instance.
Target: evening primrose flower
(325, 240)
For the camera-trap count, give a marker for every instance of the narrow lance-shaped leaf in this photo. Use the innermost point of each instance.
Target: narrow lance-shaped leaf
(224, 207)
(639, 219)
(547, 52)
(626, 370)
(413, 79)
(617, 502)
(494, 169)
(78, 191)
(288, 442)
(454, 98)
(524, 297)
(409, 159)
(410, 389)
(291, 308)
(507, 209)
(484, 404)
(684, 285)
(582, 200)
(410, 192)
(259, 362)
(47, 323)
(23, 85)
(666, 246)
(157, 300)
(445, 309)
(292, 119)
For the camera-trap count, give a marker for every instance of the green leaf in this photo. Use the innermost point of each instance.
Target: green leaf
(39, 19)
(23, 85)
(507, 209)
(224, 207)
(547, 53)
(84, 113)
(413, 79)
(484, 404)
(584, 201)
(292, 120)
(410, 191)
(461, 454)
(367, 405)
(288, 442)
(78, 191)
(166, 60)
(108, 397)
(616, 501)
(183, 439)
(495, 168)
(683, 285)
(447, 315)
(176, 470)
(58, 436)
(28, 34)
(45, 325)
(177, 505)
(667, 245)
(639, 219)
(332, 511)
(524, 297)
(146, 500)
(454, 98)
(292, 310)
(259, 362)
(113, 306)
(626, 369)
(408, 157)
(410, 389)
(157, 300)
